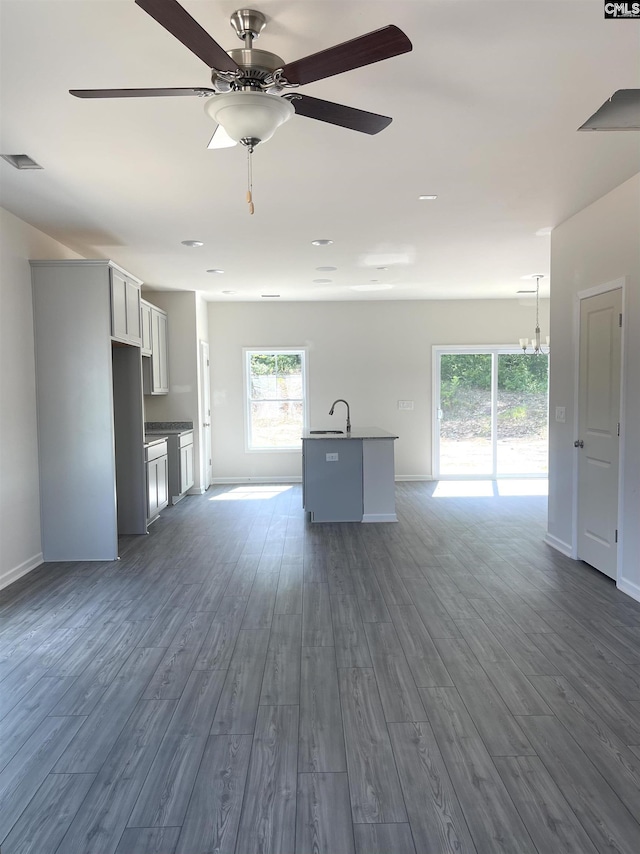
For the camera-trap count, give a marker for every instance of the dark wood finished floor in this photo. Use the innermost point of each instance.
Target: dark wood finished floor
(242, 682)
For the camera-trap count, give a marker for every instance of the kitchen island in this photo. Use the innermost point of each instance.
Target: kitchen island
(349, 477)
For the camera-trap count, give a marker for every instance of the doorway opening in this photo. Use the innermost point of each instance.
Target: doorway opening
(491, 413)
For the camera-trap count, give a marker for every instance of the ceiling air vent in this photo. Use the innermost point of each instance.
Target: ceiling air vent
(21, 161)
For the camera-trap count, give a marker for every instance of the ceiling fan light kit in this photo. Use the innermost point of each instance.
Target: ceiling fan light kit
(248, 100)
(249, 117)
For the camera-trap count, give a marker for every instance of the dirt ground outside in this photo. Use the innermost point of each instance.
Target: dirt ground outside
(465, 434)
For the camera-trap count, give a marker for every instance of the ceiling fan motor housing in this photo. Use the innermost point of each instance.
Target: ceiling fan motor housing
(256, 67)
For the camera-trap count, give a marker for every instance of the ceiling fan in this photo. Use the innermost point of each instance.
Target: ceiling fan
(251, 89)
(619, 112)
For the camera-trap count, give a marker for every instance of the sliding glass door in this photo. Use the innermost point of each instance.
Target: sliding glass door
(491, 413)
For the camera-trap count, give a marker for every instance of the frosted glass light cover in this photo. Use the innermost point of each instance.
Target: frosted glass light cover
(249, 115)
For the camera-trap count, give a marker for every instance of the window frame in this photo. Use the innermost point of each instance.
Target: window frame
(247, 352)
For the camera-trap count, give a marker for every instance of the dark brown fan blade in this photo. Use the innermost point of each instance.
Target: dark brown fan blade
(373, 47)
(620, 112)
(337, 114)
(180, 24)
(140, 93)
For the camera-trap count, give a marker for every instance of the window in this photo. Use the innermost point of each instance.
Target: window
(276, 399)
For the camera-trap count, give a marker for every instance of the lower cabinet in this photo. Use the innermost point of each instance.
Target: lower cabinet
(332, 480)
(157, 463)
(180, 466)
(185, 475)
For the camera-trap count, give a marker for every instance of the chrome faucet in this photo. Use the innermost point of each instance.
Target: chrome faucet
(341, 400)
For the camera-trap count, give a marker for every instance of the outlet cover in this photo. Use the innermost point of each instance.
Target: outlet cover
(332, 458)
(405, 404)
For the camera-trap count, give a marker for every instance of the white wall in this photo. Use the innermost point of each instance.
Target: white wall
(187, 322)
(598, 245)
(370, 353)
(20, 547)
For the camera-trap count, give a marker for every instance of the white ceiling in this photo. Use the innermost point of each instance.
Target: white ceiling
(485, 111)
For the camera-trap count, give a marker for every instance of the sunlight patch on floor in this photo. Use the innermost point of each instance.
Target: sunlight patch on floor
(252, 492)
(464, 489)
(491, 488)
(526, 486)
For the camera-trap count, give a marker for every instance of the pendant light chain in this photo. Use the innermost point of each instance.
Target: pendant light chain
(250, 179)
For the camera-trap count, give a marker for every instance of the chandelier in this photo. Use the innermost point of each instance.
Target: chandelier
(536, 345)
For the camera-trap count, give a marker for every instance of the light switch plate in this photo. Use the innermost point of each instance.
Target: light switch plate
(332, 458)
(405, 404)
(560, 414)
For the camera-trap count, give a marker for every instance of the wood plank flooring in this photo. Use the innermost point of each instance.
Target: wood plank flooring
(242, 682)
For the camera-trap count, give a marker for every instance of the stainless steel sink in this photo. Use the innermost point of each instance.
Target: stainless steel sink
(326, 432)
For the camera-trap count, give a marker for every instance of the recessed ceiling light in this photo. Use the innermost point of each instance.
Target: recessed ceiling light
(322, 242)
(229, 292)
(215, 271)
(326, 269)
(192, 243)
(270, 296)
(371, 287)
(533, 276)
(427, 198)
(322, 281)
(21, 161)
(382, 268)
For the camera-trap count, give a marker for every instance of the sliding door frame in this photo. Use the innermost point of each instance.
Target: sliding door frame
(439, 350)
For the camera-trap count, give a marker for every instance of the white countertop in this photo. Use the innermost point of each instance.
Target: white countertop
(359, 433)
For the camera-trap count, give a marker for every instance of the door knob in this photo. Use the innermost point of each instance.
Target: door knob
(578, 443)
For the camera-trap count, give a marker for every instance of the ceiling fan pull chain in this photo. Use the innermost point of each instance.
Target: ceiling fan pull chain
(250, 180)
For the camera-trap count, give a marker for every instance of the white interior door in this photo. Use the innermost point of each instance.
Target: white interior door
(598, 425)
(205, 429)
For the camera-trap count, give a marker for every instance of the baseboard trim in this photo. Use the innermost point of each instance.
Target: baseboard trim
(20, 570)
(222, 480)
(559, 545)
(629, 587)
(379, 517)
(400, 477)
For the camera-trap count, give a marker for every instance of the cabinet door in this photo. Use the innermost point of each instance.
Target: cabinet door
(145, 319)
(118, 306)
(134, 331)
(125, 308)
(159, 357)
(163, 481)
(163, 356)
(186, 468)
(152, 489)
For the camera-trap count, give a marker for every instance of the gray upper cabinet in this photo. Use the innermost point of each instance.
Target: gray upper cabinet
(125, 307)
(156, 369)
(145, 320)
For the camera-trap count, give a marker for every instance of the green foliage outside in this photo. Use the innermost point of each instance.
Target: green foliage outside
(266, 364)
(526, 374)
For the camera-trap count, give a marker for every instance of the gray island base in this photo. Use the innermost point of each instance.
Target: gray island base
(349, 477)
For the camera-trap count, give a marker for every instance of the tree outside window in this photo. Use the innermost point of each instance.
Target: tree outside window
(276, 399)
